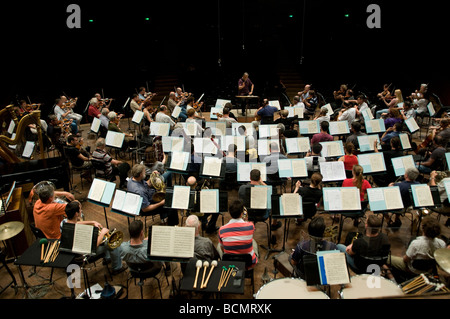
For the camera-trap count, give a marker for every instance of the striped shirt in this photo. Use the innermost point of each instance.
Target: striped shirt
(236, 237)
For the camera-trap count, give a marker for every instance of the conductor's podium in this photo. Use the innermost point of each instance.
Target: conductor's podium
(283, 265)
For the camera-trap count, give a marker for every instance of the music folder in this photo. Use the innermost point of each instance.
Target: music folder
(95, 126)
(137, 117)
(114, 139)
(185, 198)
(213, 167)
(221, 198)
(126, 203)
(170, 243)
(79, 239)
(101, 192)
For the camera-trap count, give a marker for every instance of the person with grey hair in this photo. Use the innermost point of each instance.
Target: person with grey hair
(163, 116)
(203, 247)
(410, 177)
(104, 117)
(108, 166)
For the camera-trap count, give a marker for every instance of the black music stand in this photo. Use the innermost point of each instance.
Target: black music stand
(246, 99)
(437, 203)
(211, 177)
(169, 199)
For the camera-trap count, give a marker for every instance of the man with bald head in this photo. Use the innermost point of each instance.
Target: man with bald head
(203, 247)
(210, 227)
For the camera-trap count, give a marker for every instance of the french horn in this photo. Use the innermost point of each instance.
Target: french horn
(113, 238)
(160, 187)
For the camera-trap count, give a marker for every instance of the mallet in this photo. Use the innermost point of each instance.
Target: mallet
(205, 266)
(213, 264)
(198, 265)
(43, 242)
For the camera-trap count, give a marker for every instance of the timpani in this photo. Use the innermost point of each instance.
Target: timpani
(366, 286)
(289, 288)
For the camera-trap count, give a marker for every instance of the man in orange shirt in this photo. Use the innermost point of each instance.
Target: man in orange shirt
(48, 214)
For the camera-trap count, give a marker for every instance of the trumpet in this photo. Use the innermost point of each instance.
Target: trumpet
(113, 238)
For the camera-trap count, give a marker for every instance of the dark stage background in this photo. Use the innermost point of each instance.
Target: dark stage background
(131, 43)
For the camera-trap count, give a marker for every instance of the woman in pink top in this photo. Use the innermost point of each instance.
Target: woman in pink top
(358, 181)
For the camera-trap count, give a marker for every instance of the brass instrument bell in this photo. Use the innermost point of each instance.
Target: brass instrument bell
(160, 187)
(113, 238)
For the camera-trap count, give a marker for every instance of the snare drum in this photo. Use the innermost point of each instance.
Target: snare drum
(289, 288)
(369, 286)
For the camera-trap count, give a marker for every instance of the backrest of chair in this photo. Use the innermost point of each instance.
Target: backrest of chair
(256, 214)
(36, 231)
(425, 265)
(140, 268)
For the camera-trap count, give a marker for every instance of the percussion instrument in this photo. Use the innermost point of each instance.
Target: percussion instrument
(10, 229)
(365, 286)
(289, 288)
(442, 257)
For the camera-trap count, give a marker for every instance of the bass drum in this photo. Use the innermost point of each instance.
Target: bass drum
(369, 286)
(289, 288)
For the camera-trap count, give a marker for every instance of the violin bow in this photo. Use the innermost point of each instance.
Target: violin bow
(162, 101)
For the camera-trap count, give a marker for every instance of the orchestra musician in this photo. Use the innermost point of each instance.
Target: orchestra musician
(94, 108)
(62, 115)
(305, 93)
(191, 104)
(144, 95)
(339, 96)
(245, 88)
(102, 102)
(69, 105)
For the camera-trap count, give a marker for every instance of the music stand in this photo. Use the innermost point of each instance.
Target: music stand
(436, 203)
(168, 258)
(246, 99)
(106, 197)
(169, 199)
(221, 175)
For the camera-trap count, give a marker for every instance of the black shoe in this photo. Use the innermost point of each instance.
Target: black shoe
(116, 272)
(275, 227)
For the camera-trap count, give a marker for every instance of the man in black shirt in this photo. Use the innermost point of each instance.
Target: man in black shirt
(78, 156)
(396, 151)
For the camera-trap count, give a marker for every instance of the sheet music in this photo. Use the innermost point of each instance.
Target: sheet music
(132, 204)
(423, 195)
(431, 109)
(137, 117)
(331, 149)
(212, 166)
(176, 112)
(375, 126)
(114, 139)
(350, 198)
(376, 195)
(97, 189)
(298, 145)
(299, 168)
(159, 129)
(276, 104)
(335, 268)
(334, 199)
(337, 128)
(404, 139)
(377, 162)
(412, 125)
(208, 201)
(82, 239)
(408, 162)
(393, 198)
(332, 171)
(171, 241)
(258, 198)
(181, 195)
(221, 103)
(285, 165)
(300, 112)
(11, 127)
(312, 127)
(28, 149)
(262, 169)
(178, 160)
(95, 125)
(291, 204)
(119, 199)
(263, 147)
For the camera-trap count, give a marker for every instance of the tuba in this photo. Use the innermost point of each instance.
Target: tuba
(113, 239)
(160, 187)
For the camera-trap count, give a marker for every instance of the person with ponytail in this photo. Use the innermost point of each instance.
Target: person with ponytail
(349, 159)
(358, 181)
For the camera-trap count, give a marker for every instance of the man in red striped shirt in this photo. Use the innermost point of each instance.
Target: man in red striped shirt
(236, 237)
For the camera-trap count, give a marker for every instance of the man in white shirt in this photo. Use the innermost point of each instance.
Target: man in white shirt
(163, 117)
(62, 114)
(226, 117)
(348, 113)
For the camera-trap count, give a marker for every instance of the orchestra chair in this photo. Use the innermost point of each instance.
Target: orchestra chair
(72, 170)
(257, 216)
(247, 259)
(381, 260)
(100, 166)
(144, 271)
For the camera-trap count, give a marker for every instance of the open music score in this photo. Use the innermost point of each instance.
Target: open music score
(101, 192)
(422, 196)
(309, 127)
(181, 197)
(385, 198)
(291, 205)
(401, 164)
(137, 117)
(114, 139)
(204, 145)
(375, 126)
(261, 197)
(268, 131)
(212, 166)
(171, 242)
(332, 149)
(179, 161)
(172, 144)
(431, 109)
(333, 171)
(264, 146)
(339, 128)
(209, 201)
(192, 128)
(220, 103)
(244, 169)
(176, 112)
(366, 143)
(28, 149)
(227, 140)
(79, 239)
(248, 126)
(367, 115)
(126, 203)
(159, 129)
(276, 104)
(372, 163)
(404, 140)
(217, 128)
(412, 125)
(332, 268)
(297, 145)
(95, 126)
(337, 199)
(295, 111)
(291, 167)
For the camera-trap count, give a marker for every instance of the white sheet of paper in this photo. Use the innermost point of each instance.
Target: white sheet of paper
(258, 197)
(28, 149)
(350, 198)
(180, 199)
(376, 195)
(405, 141)
(132, 204)
(208, 201)
(95, 124)
(119, 199)
(334, 199)
(393, 198)
(336, 269)
(178, 160)
(299, 168)
(137, 117)
(423, 195)
(176, 112)
(11, 127)
(212, 166)
(97, 189)
(291, 204)
(82, 238)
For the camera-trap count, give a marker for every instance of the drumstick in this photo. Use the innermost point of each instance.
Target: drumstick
(43, 242)
(225, 277)
(213, 264)
(224, 269)
(229, 275)
(205, 266)
(198, 265)
(56, 251)
(47, 256)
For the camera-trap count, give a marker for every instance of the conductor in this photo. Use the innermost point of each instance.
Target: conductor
(245, 88)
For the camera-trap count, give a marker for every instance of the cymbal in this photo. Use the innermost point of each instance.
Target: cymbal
(442, 257)
(10, 229)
